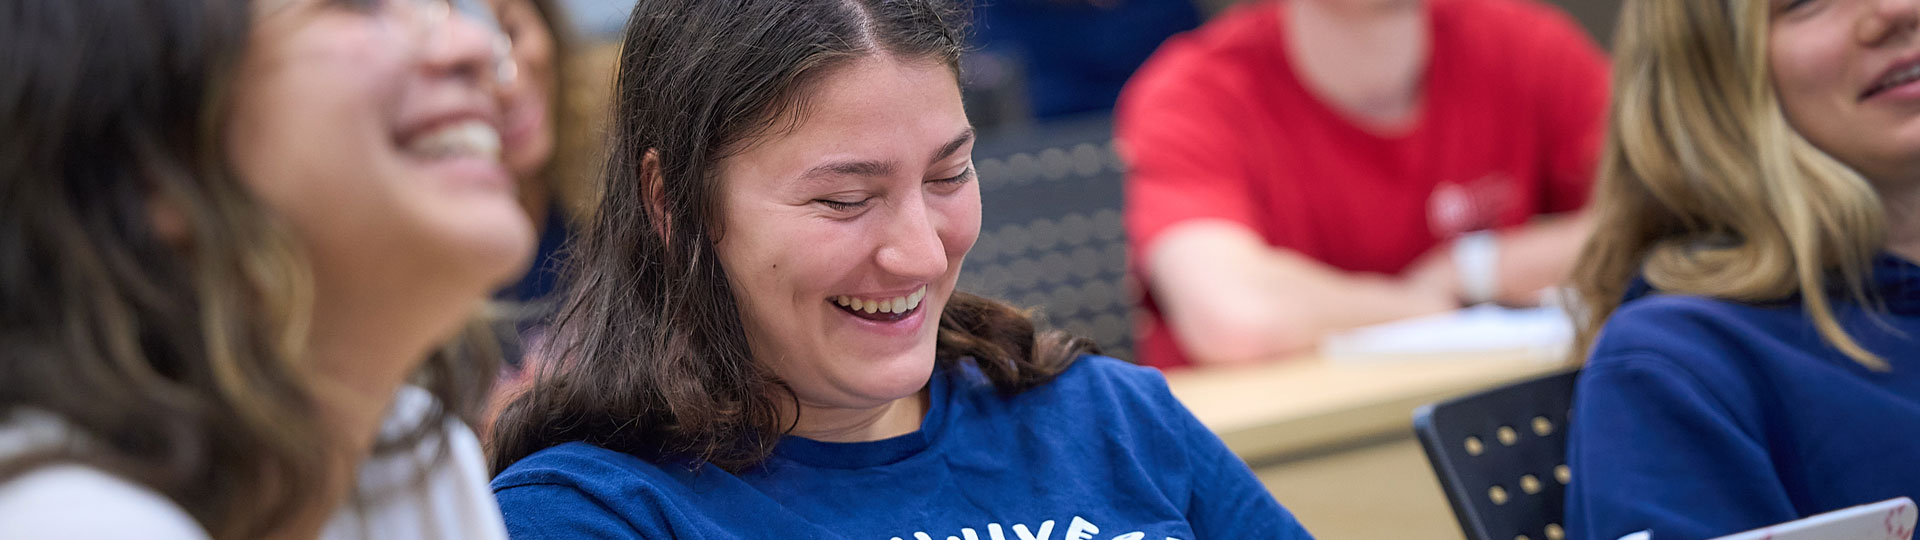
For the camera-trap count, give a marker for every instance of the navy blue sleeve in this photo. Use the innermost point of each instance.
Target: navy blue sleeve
(552, 511)
(1227, 500)
(1654, 448)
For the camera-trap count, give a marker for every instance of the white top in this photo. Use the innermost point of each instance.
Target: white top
(450, 498)
(82, 503)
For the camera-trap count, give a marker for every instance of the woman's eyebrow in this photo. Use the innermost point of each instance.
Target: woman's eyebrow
(875, 169)
(880, 169)
(954, 145)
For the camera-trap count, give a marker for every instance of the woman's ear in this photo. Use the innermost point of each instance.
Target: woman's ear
(655, 192)
(169, 222)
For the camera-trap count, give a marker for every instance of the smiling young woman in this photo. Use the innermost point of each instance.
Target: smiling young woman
(764, 339)
(1750, 298)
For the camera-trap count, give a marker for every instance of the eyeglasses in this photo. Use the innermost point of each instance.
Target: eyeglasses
(425, 21)
(428, 20)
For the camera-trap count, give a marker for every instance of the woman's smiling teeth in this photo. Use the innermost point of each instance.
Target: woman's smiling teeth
(887, 308)
(461, 139)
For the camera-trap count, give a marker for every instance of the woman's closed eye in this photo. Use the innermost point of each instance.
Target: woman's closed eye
(955, 180)
(844, 205)
(849, 204)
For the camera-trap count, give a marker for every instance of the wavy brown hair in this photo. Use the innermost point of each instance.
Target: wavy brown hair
(1706, 189)
(649, 357)
(177, 361)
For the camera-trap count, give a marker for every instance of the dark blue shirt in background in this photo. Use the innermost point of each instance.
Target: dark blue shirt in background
(542, 279)
(1076, 55)
(1104, 452)
(1697, 418)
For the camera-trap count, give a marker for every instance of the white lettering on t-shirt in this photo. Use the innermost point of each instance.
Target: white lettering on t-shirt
(1077, 529)
(1046, 531)
(1081, 529)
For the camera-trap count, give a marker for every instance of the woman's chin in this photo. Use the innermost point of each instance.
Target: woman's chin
(494, 246)
(882, 380)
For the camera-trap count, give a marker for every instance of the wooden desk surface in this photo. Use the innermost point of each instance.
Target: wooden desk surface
(1384, 491)
(1299, 407)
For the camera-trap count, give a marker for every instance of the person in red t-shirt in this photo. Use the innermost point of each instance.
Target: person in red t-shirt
(1305, 166)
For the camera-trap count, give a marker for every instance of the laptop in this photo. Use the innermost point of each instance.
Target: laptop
(1891, 519)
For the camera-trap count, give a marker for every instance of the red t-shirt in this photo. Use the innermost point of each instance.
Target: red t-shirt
(1216, 125)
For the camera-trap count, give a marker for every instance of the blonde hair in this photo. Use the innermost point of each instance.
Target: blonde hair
(1704, 186)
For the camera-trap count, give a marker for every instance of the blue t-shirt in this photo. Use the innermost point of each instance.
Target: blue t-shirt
(1104, 452)
(1697, 418)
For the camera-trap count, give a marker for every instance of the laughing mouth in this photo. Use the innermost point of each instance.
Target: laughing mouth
(881, 309)
(470, 138)
(1894, 78)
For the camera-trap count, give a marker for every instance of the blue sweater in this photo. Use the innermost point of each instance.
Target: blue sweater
(1104, 452)
(1697, 418)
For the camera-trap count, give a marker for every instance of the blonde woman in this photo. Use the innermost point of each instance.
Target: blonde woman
(232, 232)
(1751, 299)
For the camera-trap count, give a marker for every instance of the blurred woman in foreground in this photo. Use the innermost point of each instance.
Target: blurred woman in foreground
(233, 236)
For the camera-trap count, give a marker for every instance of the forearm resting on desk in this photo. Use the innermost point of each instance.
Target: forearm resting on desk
(1531, 258)
(1232, 298)
(1541, 255)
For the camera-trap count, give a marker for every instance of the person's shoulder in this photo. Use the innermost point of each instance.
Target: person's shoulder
(1104, 379)
(1656, 317)
(1686, 331)
(69, 500)
(578, 465)
(80, 502)
(581, 490)
(1664, 351)
(1113, 370)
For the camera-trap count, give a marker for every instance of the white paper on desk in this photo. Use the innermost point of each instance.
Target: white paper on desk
(1546, 331)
